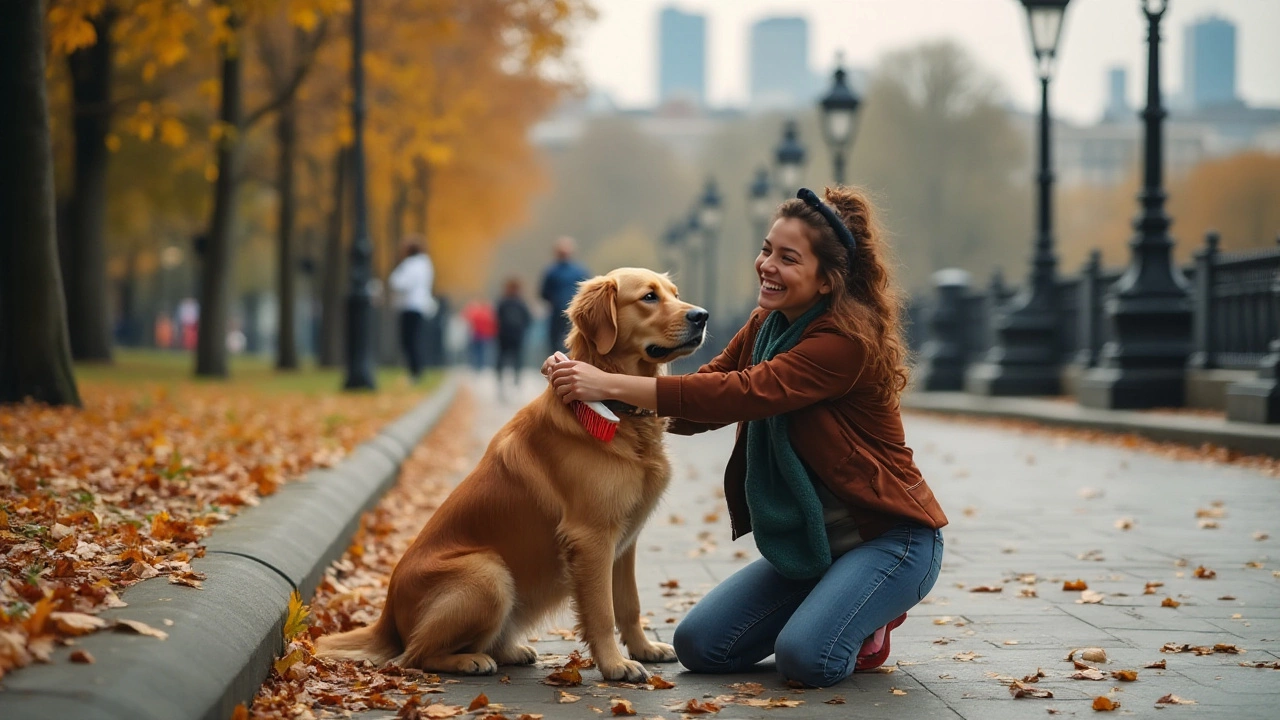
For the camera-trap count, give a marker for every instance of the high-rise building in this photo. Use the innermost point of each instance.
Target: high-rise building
(682, 57)
(1117, 109)
(1209, 63)
(780, 75)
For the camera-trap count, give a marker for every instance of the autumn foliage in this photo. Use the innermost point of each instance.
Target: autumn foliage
(95, 500)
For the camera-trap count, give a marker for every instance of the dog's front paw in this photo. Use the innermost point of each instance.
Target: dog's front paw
(472, 664)
(516, 655)
(624, 670)
(653, 652)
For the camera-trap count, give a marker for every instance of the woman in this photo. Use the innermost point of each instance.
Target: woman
(820, 472)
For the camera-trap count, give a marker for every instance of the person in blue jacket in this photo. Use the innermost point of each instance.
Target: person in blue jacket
(558, 287)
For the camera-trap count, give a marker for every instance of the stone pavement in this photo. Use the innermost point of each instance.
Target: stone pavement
(1028, 512)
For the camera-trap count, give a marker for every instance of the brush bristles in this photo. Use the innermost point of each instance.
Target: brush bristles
(595, 425)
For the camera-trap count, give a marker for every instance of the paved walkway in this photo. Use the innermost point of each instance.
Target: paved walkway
(1028, 511)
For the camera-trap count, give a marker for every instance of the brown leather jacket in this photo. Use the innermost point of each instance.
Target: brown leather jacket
(851, 439)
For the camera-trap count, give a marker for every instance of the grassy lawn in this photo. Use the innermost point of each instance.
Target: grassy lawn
(173, 369)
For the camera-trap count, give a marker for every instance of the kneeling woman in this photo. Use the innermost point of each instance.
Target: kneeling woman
(820, 473)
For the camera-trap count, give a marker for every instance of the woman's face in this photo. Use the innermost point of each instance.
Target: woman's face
(788, 270)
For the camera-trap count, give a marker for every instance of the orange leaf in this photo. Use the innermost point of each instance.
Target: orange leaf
(1075, 585)
(480, 701)
(1104, 704)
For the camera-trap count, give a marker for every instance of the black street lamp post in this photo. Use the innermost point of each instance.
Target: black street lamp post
(759, 204)
(788, 160)
(839, 119)
(1149, 307)
(1027, 356)
(359, 302)
(672, 243)
(709, 218)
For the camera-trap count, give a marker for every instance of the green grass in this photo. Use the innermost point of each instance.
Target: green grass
(133, 367)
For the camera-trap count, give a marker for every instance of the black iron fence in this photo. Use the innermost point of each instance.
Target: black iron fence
(1234, 296)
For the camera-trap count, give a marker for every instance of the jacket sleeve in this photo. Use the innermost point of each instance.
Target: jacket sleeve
(726, 361)
(821, 366)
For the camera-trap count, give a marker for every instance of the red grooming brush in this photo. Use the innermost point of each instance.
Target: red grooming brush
(598, 420)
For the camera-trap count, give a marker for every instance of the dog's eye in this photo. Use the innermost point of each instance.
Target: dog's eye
(651, 297)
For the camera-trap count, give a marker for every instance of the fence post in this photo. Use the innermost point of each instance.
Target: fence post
(1088, 311)
(1258, 400)
(1204, 352)
(946, 352)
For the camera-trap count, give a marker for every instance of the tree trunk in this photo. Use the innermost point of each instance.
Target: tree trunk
(424, 199)
(35, 352)
(85, 253)
(332, 304)
(215, 281)
(286, 337)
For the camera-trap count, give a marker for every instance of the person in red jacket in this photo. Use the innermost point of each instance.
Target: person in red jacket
(820, 474)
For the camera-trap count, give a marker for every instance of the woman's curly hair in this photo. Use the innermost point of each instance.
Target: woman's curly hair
(865, 303)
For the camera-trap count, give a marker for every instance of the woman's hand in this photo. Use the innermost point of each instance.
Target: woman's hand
(574, 380)
(550, 362)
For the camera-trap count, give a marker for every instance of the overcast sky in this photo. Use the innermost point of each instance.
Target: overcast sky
(618, 51)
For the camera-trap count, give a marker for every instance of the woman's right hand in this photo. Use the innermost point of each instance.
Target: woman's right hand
(550, 362)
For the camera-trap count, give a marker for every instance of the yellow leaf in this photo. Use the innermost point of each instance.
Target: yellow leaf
(297, 620)
(173, 133)
(283, 664)
(113, 142)
(210, 172)
(211, 88)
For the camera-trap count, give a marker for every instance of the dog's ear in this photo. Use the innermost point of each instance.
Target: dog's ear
(594, 312)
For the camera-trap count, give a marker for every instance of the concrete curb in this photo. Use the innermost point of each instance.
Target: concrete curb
(223, 638)
(1193, 430)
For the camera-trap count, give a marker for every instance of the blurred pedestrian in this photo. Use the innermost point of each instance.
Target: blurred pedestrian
(513, 322)
(558, 287)
(411, 282)
(483, 326)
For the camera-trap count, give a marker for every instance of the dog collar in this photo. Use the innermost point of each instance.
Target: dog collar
(620, 408)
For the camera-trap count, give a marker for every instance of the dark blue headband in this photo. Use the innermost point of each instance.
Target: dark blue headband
(843, 234)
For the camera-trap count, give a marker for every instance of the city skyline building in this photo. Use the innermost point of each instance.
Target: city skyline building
(1209, 63)
(682, 57)
(1118, 108)
(778, 62)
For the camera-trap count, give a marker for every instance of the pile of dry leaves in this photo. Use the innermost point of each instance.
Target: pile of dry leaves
(96, 499)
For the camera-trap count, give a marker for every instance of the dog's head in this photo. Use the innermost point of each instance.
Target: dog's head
(632, 320)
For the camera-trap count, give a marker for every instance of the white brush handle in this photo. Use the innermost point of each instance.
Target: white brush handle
(600, 409)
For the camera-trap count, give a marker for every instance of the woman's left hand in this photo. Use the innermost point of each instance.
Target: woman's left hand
(575, 380)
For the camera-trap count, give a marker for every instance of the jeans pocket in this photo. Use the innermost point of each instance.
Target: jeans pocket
(935, 566)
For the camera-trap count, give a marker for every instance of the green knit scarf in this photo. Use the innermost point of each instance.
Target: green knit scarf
(786, 514)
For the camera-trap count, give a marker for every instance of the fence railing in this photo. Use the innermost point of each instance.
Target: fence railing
(1234, 311)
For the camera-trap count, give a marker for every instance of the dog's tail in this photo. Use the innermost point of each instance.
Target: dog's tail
(372, 643)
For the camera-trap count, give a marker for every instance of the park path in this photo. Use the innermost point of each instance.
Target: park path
(1029, 510)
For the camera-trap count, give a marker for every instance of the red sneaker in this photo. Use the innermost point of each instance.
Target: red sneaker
(875, 649)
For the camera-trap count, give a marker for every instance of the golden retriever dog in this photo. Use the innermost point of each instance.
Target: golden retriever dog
(549, 514)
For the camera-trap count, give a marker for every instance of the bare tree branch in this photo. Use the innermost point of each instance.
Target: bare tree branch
(306, 60)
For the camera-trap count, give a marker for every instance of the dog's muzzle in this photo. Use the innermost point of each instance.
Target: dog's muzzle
(695, 333)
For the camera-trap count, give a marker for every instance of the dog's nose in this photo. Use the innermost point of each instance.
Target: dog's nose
(697, 316)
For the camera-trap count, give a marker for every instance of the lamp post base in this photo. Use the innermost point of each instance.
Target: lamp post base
(1145, 366)
(1117, 389)
(1026, 360)
(359, 343)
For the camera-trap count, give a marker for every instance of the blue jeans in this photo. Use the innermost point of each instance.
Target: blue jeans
(814, 627)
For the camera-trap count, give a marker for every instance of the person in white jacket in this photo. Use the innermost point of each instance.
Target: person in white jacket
(411, 283)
